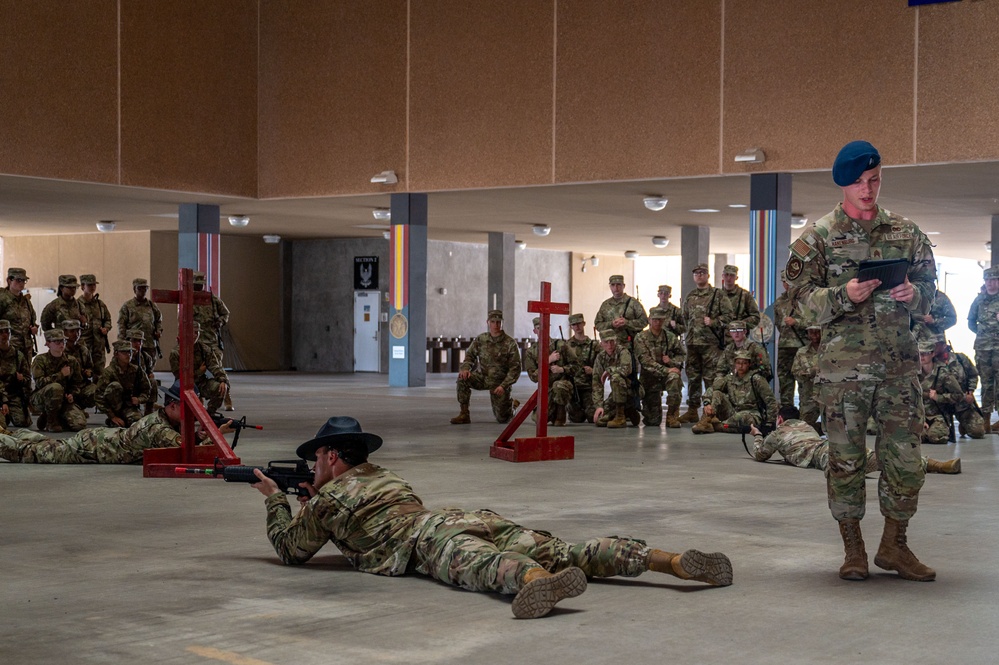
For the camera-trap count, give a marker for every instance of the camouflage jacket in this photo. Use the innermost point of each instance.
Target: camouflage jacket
(760, 364)
(710, 302)
(650, 351)
(17, 309)
(577, 356)
(145, 316)
(145, 362)
(949, 393)
(531, 359)
(944, 317)
(124, 445)
(369, 513)
(134, 383)
(12, 363)
(498, 358)
(627, 307)
(790, 336)
(743, 392)
(865, 341)
(806, 364)
(795, 440)
(983, 319)
(617, 366)
(98, 316)
(674, 319)
(61, 309)
(964, 371)
(744, 307)
(82, 354)
(205, 361)
(46, 369)
(211, 317)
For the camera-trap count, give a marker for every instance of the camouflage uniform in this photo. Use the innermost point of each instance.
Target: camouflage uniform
(969, 416)
(145, 362)
(627, 308)
(760, 363)
(797, 442)
(116, 388)
(98, 316)
(656, 375)
(212, 317)
(704, 344)
(983, 320)
(88, 393)
(374, 518)
(94, 445)
(17, 309)
(60, 309)
(559, 385)
(674, 315)
(577, 356)
(789, 340)
(206, 363)
(805, 369)
(16, 394)
(51, 389)
(736, 400)
(868, 362)
(146, 317)
(618, 365)
(944, 317)
(948, 396)
(744, 307)
(492, 361)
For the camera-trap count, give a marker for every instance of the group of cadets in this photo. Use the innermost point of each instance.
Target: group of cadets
(620, 379)
(74, 374)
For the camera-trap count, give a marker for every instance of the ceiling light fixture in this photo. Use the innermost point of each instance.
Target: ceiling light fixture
(520, 244)
(595, 261)
(660, 241)
(387, 235)
(798, 220)
(737, 205)
(382, 214)
(385, 178)
(631, 254)
(239, 220)
(751, 156)
(988, 245)
(542, 229)
(704, 210)
(272, 239)
(105, 226)
(655, 203)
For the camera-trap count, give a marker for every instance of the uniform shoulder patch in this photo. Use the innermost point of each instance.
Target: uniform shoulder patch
(794, 268)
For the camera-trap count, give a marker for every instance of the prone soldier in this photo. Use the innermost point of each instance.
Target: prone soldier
(122, 388)
(15, 307)
(58, 383)
(706, 312)
(15, 380)
(492, 363)
(64, 306)
(660, 355)
(95, 333)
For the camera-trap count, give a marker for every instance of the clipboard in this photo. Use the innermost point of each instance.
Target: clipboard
(891, 272)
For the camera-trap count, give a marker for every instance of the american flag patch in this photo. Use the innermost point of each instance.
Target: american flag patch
(802, 249)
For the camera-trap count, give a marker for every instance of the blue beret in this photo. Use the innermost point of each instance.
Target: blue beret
(851, 162)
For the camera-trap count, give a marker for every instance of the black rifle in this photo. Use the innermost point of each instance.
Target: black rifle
(286, 473)
(720, 338)
(947, 413)
(765, 429)
(237, 425)
(572, 365)
(159, 352)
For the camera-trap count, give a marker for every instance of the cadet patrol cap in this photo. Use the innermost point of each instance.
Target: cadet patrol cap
(70, 324)
(339, 432)
(814, 326)
(135, 333)
(199, 278)
(55, 335)
(737, 325)
(990, 273)
(743, 355)
(88, 279)
(536, 321)
(17, 273)
(699, 267)
(68, 280)
(665, 287)
(730, 270)
(5, 325)
(140, 281)
(606, 335)
(616, 279)
(495, 315)
(123, 345)
(926, 346)
(853, 159)
(576, 318)
(658, 313)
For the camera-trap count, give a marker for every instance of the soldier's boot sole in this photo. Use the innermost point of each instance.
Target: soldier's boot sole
(539, 596)
(711, 568)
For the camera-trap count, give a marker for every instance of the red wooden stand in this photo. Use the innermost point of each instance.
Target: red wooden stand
(541, 447)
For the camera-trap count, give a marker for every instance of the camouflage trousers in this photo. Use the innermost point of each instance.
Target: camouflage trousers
(808, 403)
(209, 389)
(987, 362)
(971, 422)
(87, 398)
(115, 401)
(17, 413)
(620, 392)
(785, 358)
(652, 402)
(726, 412)
(700, 367)
(581, 408)
(482, 551)
(502, 404)
(897, 405)
(51, 399)
(33, 447)
(96, 345)
(937, 429)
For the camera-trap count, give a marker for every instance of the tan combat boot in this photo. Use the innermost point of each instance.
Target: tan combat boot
(714, 568)
(541, 590)
(559, 415)
(672, 417)
(463, 418)
(228, 402)
(855, 565)
(950, 466)
(619, 419)
(690, 416)
(894, 554)
(705, 425)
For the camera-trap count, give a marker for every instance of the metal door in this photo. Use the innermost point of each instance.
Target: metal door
(366, 348)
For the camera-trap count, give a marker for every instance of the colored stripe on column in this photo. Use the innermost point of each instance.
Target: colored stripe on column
(763, 269)
(398, 276)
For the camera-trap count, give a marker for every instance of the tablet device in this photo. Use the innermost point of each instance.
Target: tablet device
(891, 272)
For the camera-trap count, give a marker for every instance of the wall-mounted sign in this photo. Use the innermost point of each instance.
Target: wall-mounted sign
(365, 273)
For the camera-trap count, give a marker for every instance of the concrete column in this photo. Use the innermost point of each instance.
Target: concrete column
(721, 260)
(995, 240)
(408, 291)
(694, 244)
(198, 241)
(502, 277)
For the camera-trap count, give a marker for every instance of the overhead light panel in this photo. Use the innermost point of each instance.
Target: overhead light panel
(798, 221)
(239, 221)
(631, 254)
(382, 214)
(704, 210)
(751, 156)
(105, 226)
(737, 205)
(655, 203)
(542, 229)
(385, 178)
(272, 239)
(660, 241)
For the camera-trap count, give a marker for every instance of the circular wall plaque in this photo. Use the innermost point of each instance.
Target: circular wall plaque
(398, 326)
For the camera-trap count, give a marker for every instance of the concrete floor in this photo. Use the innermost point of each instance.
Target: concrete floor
(100, 565)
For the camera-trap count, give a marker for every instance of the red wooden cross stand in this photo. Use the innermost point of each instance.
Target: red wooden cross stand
(541, 447)
(162, 462)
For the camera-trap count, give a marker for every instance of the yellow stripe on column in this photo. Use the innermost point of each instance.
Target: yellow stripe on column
(225, 656)
(399, 236)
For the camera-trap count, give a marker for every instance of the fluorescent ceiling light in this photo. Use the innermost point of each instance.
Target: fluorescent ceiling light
(382, 214)
(704, 210)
